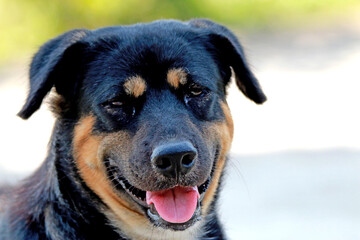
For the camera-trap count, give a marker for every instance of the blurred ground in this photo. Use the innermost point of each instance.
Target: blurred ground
(294, 170)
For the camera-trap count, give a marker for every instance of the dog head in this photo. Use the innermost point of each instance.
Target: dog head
(151, 124)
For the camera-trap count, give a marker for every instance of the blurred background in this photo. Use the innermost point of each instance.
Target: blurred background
(294, 171)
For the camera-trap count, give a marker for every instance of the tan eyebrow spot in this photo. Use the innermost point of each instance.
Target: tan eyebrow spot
(135, 86)
(176, 77)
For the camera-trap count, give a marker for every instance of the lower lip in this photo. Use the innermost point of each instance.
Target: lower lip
(158, 221)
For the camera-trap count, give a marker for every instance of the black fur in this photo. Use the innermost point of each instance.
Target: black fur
(86, 69)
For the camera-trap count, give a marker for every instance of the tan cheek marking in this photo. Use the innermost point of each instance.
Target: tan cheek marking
(91, 169)
(135, 86)
(228, 119)
(225, 132)
(176, 77)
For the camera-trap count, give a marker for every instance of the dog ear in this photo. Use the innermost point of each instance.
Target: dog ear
(54, 65)
(227, 49)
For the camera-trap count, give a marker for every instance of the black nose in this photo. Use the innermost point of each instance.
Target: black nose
(174, 159)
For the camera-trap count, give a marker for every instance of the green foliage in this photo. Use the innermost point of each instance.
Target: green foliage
(26, 24)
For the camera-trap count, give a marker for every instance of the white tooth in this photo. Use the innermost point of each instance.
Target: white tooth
(112, 162)
(122, 184)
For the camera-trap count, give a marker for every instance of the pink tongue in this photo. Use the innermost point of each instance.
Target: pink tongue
(175, 205)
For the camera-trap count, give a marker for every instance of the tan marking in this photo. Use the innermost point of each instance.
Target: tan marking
(123, 214)
(176, 77)
(228, 119)
(226, 131)
(92, 170)
(135, 86)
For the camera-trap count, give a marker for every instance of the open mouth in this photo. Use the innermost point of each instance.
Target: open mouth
(176, 208)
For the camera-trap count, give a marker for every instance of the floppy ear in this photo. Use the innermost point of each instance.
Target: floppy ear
(53, 65)
(225, 46)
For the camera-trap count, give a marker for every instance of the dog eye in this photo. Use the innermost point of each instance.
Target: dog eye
(115, 104)
(119, 108)
(194, 92)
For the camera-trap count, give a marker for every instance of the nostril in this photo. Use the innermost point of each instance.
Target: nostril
(188, 160)
(163, 163)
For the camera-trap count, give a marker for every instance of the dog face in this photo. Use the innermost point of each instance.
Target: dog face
(151, 127)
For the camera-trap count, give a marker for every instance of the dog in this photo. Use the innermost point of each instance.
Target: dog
(141, 136)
